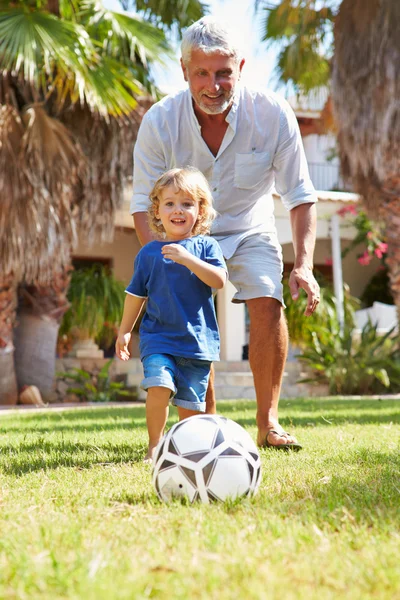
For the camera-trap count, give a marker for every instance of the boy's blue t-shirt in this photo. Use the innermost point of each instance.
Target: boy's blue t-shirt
(180, 316)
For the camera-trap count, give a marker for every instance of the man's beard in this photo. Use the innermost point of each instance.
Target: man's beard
(216, 109)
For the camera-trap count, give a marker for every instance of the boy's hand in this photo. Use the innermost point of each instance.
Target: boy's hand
(121, 346)
(177, 253)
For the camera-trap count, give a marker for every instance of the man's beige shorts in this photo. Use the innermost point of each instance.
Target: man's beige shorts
(256, 268)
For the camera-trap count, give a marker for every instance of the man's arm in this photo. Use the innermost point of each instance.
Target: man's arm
(303, 219)
(148, 164)
(143, 231)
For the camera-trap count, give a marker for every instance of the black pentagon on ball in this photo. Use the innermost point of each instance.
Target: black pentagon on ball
(166, 464)
(219, 438)
(172, 448)
(212, 497)
(208, 470)
(159, 452)
(195, 456)
(189, 474)
(230, 452)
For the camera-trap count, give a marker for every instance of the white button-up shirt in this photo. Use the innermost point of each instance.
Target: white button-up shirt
(261, 150)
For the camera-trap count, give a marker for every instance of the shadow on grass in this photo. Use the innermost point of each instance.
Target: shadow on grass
(29, 457)
(297, 412)
(324, 412)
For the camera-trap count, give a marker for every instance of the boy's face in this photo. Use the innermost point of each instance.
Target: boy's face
(178, 213)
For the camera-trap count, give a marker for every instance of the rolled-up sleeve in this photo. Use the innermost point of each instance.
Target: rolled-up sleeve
(148, 165)
(292, 180)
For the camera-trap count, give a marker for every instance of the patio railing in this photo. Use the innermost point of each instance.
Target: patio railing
(327, 177)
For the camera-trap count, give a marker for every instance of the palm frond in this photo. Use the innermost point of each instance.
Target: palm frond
(59, 57)
(127, 38)
(169, 13)
(303, 30)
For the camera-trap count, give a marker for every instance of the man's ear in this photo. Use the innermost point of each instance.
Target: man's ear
(184, 70)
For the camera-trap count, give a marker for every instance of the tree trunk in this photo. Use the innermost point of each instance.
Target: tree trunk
(40, 312)
(8, 301)
(390, 215)
(365, 92)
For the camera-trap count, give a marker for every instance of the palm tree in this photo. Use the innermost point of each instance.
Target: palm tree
(72, 74)
(362, 73)
(366, 92)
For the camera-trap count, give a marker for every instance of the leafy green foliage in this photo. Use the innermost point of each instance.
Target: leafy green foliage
(324, 320)
(96, 386)
(96, 298)
(303, 29)
(82, 54)
(351, 364)
(168, 13)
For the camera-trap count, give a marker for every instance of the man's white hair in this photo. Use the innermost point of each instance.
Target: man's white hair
(208, 35)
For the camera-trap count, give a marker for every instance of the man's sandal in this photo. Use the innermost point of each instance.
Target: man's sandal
(288, 446)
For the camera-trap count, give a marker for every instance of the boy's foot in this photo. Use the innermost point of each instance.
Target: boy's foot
(150, 453)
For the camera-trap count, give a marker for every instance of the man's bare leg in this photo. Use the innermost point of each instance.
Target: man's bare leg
(211, 403)
(268, 346)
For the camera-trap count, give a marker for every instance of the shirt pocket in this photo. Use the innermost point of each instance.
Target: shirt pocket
(251, 169)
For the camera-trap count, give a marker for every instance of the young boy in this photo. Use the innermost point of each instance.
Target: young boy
(179, 334)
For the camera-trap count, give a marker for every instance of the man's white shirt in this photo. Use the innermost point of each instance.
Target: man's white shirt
(261, 152)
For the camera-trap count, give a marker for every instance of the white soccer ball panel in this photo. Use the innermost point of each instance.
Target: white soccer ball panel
(236, 433)
(174, 483)
(230, 478)
(195, 435)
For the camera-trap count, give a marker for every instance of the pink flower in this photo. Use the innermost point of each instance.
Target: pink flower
(370, 235)
(365, 259)
(349, 209)
(381, 249)
(328, 262)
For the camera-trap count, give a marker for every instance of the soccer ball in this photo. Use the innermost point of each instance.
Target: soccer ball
(206, 457)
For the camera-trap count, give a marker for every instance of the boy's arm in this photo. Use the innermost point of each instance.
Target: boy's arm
(209, 274)
(132, 307)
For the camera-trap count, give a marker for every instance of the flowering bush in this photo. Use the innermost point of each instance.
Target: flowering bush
(369, 234)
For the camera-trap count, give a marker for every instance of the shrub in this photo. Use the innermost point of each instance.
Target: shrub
(349, 364)
(301, 328)
(96, 386)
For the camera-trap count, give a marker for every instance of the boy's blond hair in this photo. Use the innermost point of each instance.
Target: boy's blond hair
(192, 182)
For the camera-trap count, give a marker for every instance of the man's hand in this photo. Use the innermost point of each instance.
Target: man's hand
(302, 277)
(177, 253)
(121, 346)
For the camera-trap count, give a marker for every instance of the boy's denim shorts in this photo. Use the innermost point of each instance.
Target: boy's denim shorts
(187, 378)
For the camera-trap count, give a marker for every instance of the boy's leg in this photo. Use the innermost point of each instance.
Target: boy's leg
(185, 413)
(211, 403)
(157, 405)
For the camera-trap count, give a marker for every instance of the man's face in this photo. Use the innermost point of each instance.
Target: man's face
(212, 79)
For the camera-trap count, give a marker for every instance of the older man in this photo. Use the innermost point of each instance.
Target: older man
(246, 143)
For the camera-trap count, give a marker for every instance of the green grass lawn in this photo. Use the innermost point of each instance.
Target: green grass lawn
(79, 518)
